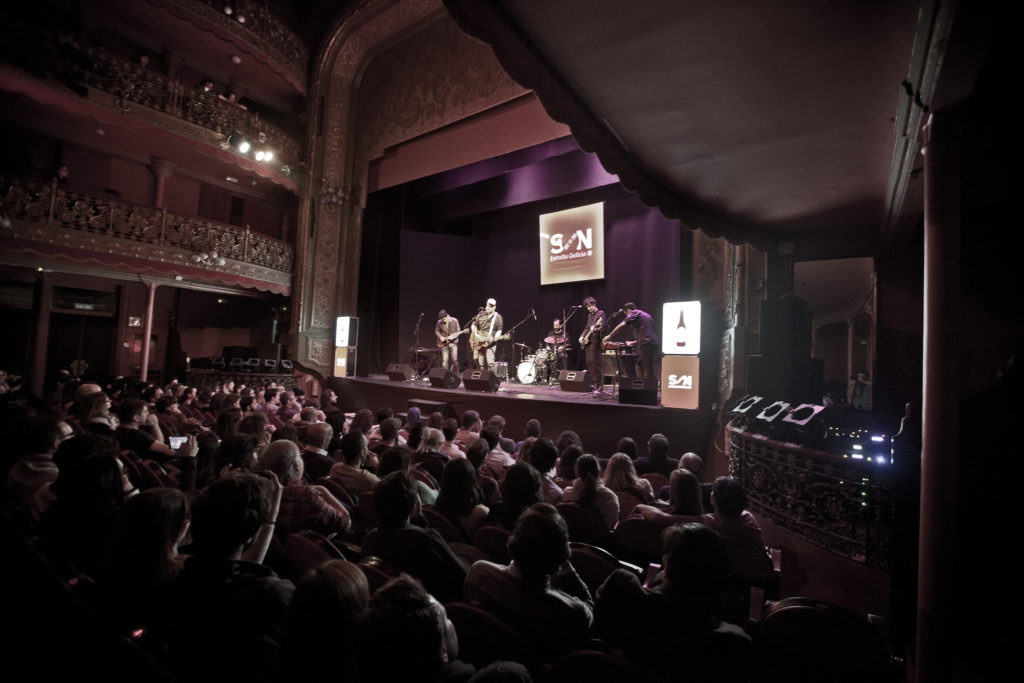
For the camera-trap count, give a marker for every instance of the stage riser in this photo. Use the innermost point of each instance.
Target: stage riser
(599, 423)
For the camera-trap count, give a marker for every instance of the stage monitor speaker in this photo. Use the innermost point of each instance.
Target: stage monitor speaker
(638, 390)
(443, 378)
(575, 380)
(480, 380)
(400, 372)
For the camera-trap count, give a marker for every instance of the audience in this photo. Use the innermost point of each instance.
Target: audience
(184, 566)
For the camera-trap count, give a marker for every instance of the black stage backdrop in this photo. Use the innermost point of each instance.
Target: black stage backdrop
(454, 240)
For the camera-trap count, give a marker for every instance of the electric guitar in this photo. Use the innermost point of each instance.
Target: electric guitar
(585, 337)
(442, 341)
(480, 341)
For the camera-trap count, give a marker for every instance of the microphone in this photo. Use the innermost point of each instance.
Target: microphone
(533, 313)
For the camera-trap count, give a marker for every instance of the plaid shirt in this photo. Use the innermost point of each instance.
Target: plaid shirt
(304, 507)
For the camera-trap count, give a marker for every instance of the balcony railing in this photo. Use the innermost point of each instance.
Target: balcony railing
(840, 504)
(254, 21)
(132, 87)
(96, 216)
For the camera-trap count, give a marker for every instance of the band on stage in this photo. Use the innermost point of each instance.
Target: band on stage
(627, 349)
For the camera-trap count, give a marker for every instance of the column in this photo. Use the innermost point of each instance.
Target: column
(41, 339)
(162, 170)
(935, 649)
(147, 330)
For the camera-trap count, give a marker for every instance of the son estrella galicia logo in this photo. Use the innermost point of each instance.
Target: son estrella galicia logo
(680, 381)
(578, 245)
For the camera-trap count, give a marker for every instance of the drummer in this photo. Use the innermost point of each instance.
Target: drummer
(556, 342)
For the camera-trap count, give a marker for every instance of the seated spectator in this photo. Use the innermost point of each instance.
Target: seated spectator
(531, 430)
(565, 469)
(405, 635)
(543, 456)
(657, 459)
(41, 436)
(227, 422)
(320, 634)
(362, 421)
(94, 408)
(677, 629)
(588, 491)
(620, 476)
(303, 506)
(350, 471)
(476, 454)
(539, 594)
(314, 451)
(507, 444)
(81, 523)
(627, 445)
(450, 447)
(255, 425)
(388, 435)
(428, 453)
(461, 500)
(223, 617)
(419, 551)
(145, 554)
(399, 460)
(684, 495)
(133, 414)
(235, 452)
(693, 462)
(568, 438)
(497, 460)
(520, 489)
(469, 431)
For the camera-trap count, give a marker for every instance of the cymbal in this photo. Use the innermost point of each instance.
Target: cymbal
(554, 340)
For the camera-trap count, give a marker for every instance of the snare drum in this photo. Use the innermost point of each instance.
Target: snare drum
(544, 355)
(526, 372)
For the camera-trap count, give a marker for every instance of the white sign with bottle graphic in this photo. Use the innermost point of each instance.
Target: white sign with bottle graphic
(680, 333)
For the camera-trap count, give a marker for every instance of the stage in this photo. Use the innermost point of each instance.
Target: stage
(600, 420)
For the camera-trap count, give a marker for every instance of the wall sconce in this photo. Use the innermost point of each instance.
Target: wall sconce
(208, 259)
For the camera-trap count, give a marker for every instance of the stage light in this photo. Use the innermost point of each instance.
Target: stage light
(243, 146)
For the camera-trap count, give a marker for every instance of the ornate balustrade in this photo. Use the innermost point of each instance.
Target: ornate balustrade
(89, 221)
(131, 87)
(257, 24)
(835, 502)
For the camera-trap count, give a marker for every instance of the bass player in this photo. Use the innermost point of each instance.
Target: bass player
(486, 331)
(590, 342)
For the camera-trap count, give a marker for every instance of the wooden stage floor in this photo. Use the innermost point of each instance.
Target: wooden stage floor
(599, 420)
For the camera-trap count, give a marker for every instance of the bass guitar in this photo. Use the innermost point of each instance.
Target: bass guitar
(442, 341)
(585, 337)
(481, 342)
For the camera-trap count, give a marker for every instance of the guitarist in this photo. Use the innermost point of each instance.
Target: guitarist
(590, 342)
(486, 329)
(447, 332)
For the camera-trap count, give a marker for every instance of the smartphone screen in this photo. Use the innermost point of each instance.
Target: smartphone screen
(176, 442)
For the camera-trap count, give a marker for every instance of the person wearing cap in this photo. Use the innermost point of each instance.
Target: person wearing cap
(486, 329)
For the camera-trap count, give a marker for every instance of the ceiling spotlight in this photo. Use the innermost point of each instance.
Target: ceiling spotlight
(240, 18)
(235, 59)
(286, 170)
(228, 10)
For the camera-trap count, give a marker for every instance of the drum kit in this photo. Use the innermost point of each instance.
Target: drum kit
(540, 367)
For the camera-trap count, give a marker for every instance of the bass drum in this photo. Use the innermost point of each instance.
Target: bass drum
(526, 372)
